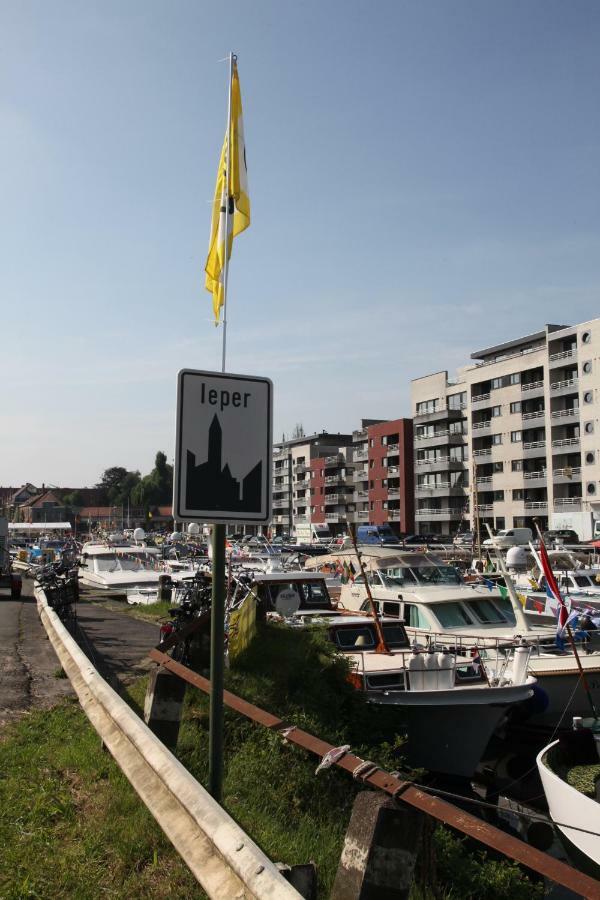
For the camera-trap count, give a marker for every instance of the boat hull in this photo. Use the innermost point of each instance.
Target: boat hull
(558, 678)
(448, 731)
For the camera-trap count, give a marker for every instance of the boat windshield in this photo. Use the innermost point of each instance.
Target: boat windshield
(583, 581)
(116, 563)
(398, 576)
(364, 637)
(451, 614)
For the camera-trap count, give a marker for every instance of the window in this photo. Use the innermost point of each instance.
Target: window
(497, 467)
(587, 367)
(451, 615)
(589, 458)
(496, 439)
(588, 397)
(518, 494)
(586, 337)
(496, 411)
(426, 406)
(457, 401)
(515, 378)
(515, 437)
(371, 484)
(591, 488)
(517, 465)
(413, 617)
(371, 463)
(383, 441)
(515, 407)
(498, 496)
(589, 427)
(486, 612)
(495, 384)
(500, 523)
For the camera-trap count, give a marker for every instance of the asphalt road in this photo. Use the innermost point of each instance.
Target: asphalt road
(28, 664)
(116, 643)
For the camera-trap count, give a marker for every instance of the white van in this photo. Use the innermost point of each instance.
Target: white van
(510, 537)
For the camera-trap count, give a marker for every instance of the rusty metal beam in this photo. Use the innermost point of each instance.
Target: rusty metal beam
(439, 809)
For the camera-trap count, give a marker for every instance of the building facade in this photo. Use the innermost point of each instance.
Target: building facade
(515, 437)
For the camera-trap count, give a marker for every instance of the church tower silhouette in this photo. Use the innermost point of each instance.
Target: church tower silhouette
(211, 486)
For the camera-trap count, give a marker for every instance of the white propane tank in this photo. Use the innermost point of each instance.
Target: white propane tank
(139, 534)
(432, 670)
(175, 536)
(193, 528)
(416, 668)
(446, 671)
(519, 666)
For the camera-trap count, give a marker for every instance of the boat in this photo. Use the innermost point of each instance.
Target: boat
(438, 607)
(575, 812)
(444, 701)
(130, 569)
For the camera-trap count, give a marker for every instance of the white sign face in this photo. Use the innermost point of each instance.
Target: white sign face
(224, 448)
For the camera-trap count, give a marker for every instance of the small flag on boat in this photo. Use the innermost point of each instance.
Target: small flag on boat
(553, 592)
(231, 201)
(476, 660)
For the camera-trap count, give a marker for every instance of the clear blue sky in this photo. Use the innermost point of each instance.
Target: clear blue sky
(423, 178)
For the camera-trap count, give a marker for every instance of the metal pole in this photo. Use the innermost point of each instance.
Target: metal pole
(227, 199)
(217, 639)
(217, 619)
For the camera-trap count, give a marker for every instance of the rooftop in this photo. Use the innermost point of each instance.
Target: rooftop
(537, 337)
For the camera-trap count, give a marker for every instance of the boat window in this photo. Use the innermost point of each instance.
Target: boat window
(486, 612)
(438, 575)
(413, 616)
(315, 594)
(391, 608)
(505, 606)
(395, 636)
(452, 615)
(583, 581)
(131, 564)
(348, 637)
(398, 576)
(393, 681)
(106, 563)
(469, 674)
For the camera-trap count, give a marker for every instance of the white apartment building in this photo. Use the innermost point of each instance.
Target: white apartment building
(522, 422)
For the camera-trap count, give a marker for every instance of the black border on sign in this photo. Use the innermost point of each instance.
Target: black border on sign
(210, 518)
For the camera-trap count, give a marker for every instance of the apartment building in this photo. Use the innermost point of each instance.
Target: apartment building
(516, 434)
(292, 477)
(336, 479)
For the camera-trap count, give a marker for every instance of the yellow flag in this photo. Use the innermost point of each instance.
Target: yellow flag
(242, 626)
(236, 193)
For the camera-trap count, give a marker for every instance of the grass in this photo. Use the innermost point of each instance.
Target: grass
(584, 778)
(70, 823)
(271, 788)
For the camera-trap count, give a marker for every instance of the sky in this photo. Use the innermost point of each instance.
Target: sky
(423, 180)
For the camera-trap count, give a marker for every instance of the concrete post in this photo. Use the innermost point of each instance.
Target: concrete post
(163, 705)
(380, 850)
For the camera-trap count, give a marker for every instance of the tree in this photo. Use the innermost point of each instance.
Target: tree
(74, 500)
(155, 489)
(116, 485)
(298, 431)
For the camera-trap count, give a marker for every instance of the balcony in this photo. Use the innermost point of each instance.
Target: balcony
(534, 445)
(334, 517)
(362, 495)
(538, 414)
(485, 507)
(301, 485)
(538, 475)
(393, 494)
(334, 499)
(565, 413)
(441, 464)
(438, 415)
(334, 460)
(360, 475)
(567, 474)
(392, 449)
(485, 451)
(532, 386)
(393, 470)
(281, 504)
(362, 456)
(565, 442)
(437, 513)
(477, 426)
(363, 514)
(561, 503)
(393, 515)
(484, 479)
(299, 468)
(480, 398)
(568, 386)
(566, 354)
(535, 504)
(335, 479)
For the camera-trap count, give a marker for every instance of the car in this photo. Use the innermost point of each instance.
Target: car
(421, 539)
(562, 535)
(464, 537)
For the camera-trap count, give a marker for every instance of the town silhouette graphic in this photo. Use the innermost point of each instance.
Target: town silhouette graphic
(211, 486)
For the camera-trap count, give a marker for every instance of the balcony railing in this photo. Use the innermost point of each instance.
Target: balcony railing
(565, 413)
(363, 514)
(430, 487)
(486, 451)
(393, 470)
(567, 501)
(559, 385)
(392, 449)
(485, 507)
(534, 445)
(433, 512)
(566, 442)
(536, 504)
(424, 437)
(538, 414)
(334, 459)
(478, 425)
(540, 473)
(483, 479)
(566, 354)
(531, 385)
(334, 499)
(567, 472)
(362, 456)
(480, 397)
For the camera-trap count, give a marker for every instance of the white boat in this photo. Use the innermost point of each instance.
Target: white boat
(126, 569)
(438, 607)
(569, 807)
(444, 701)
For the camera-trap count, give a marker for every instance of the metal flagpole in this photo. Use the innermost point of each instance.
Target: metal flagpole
(227, 201)
(217, 624)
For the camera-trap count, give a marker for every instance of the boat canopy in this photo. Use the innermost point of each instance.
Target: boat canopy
(38, 527)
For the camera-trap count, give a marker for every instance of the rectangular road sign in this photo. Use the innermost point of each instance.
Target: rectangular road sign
(223, 448)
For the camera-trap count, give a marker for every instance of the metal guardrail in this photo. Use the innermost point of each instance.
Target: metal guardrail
(531, 385)
(402, 791)
(221, 856)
